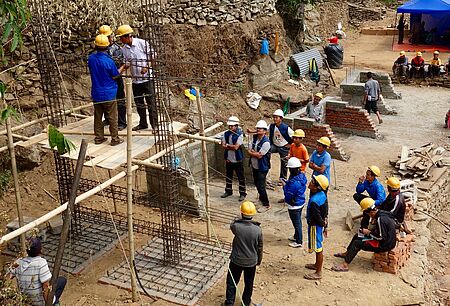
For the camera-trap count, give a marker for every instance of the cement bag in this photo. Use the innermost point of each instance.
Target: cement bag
(253, 100)
(335, 55)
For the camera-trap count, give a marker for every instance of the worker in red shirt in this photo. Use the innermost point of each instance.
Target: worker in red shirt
(417, 66)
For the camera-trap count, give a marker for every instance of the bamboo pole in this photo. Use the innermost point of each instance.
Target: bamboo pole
(33, 122)
(63, 207)
(129, 99)
(113, 193)
(3, 149)
(67, 220)
(12, 155)
(21, 137)
(205, 161)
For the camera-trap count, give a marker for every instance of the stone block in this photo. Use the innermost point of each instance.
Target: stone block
(56, 225)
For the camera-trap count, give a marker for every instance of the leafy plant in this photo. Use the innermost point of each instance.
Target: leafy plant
(7, 112)
(14, 17)
(57, 139)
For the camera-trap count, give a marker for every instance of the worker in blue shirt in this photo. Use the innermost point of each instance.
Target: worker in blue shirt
(373, 187)
(104, 73)
(320, 160)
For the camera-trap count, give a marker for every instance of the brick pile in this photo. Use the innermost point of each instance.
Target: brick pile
(350, 119)
(409, 211)
(395, 259)
(314, 131)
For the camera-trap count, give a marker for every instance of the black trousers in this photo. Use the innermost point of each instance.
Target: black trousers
(59, 288)
(413, 72)
(121, 104)
(259, 178)
(249, 277)
(357, 245)
(434, 70)
(145, 98)
(366, 218)
(239, 169)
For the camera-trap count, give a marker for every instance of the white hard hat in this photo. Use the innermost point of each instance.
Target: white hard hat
(233, 120)
(278, 113)
(294, 162)
(261, 124)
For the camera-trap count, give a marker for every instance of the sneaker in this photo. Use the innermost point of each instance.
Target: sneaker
(291, 239)
(225, 195)
(116, 142)
(100, 141)
(263, 209)
(139, 127)
(242, 197)
(295, 245)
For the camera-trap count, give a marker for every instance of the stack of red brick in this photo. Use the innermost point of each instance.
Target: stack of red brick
(392, 261)
(409, 211)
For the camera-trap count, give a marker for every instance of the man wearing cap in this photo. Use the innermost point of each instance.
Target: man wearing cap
(381, 238)
(317, 218)
(232, 141)
(137, 53)
(372, 91)
(435, 65)
(314, 109)
(400, 67)
(115, 51)
(104, 73)
(320, 160)
(373, 187)
(280, 139)
(33, 275)
(298, 149)
(259, 152)
(417, 66)
(246, 254)
(395, 201)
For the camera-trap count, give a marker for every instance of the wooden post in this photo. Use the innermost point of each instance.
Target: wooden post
(67, 221)
(113, 193)
(12, 155)
(276, 43)
(205, 161)
(129, 99)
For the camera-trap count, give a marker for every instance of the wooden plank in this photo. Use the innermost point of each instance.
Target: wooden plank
(403, 157)
(33, 140)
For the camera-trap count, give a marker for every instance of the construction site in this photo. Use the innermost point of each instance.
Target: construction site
(144, 223)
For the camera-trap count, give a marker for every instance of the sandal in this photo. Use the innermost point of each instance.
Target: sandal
(339, 255)
(313, 276)
(310, 266)
(339, 268)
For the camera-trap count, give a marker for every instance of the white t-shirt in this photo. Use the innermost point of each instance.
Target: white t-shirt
(264, 149)
(138, 55)
(232, 153)
(278, 139)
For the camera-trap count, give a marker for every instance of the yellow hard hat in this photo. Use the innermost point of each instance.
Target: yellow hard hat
(402, 52)
(325, 141)
(419, 53)
(105, 30)
(366, 203)
(436, 52)
(124, 29)
(322, 180)
(393, 182)
(375, 170)
(319, 94)
(101, 40)
(248, 208)
(299, 133)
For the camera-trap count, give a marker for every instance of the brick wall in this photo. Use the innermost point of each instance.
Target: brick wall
(314, 131)
(350, 119)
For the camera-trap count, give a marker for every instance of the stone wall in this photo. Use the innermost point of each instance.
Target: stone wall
(206, 12)
(349, 119)
(387, 88)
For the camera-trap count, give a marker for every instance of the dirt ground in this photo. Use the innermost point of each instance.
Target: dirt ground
(279, 279)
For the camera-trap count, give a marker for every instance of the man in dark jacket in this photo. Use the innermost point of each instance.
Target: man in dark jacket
(246, 254)
(381, 238)
(395, 201)
(401, 65)
(317, 218)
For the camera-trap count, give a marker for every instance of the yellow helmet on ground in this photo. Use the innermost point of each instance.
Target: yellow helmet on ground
(105, 30)
(375, 170)
(101, 40)
(248, 208)
(299, 133)
(393, 182)
(367, 203)
(124, 29)
(325, 141)
(322, 181)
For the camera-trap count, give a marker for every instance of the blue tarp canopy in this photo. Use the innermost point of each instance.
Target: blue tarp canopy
(425, 7)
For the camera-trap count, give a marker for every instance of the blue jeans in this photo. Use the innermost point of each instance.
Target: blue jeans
(283, 151)
(296, 218)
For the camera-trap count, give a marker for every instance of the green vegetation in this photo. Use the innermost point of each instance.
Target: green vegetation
(57, 139)
(15, 15)
(5, 178)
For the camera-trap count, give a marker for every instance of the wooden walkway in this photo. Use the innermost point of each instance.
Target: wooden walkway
(102, 155)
